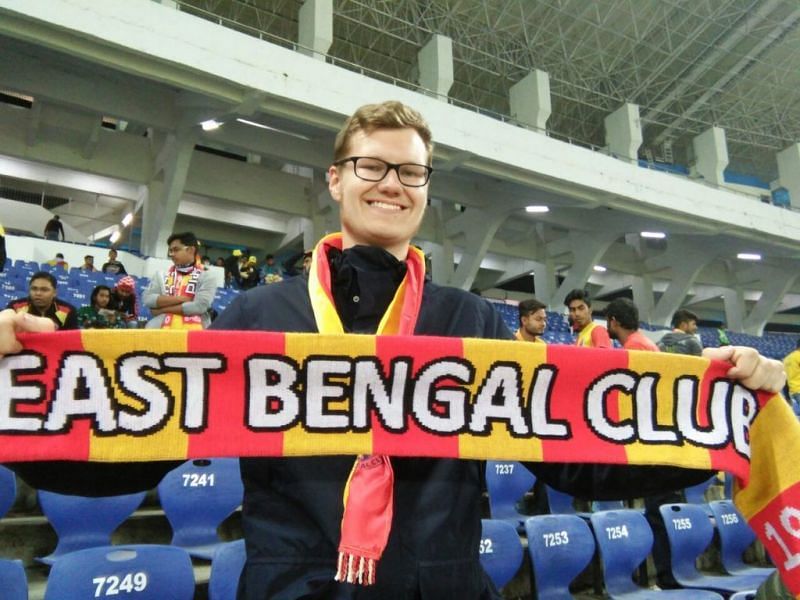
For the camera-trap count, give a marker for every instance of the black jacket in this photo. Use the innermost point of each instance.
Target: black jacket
(293, 507)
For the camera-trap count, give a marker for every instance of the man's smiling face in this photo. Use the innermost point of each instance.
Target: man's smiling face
(383, 213)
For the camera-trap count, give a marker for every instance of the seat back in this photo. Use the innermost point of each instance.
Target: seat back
(82, 522)
(560, 547)
(689, 532)
(507, 482)
(735, 535)
(196, 497)
(144, 572)
(13, 581)
(8, 489)
(560, 503)
(226, 569)
(624, 539)
(599, 505)
(500, 550)
(696, 494)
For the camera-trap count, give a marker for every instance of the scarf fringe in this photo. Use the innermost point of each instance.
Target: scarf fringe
(355, 569)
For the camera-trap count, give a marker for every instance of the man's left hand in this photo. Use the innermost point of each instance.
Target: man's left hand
(750, 368)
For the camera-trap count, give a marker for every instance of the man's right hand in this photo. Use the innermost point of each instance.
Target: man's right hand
(12, 323)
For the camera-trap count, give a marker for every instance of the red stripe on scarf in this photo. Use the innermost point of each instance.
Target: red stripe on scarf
(74, 446)
(415, 437)
(227, 410)
(573, 376)
(777, 525)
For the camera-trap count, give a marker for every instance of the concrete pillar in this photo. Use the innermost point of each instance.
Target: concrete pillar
(711, 155)
(685, 260)
(789, 172)
(642, 289)
(775, 283)
(315, 28)
(530, 100)
(164, 194)
(586, 253)
(436, 65)
(734, 308)
(478, 227)
(624, 132)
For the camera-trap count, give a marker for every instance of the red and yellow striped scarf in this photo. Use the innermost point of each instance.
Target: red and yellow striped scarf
(142, 395)
(182, 282)
(369, 492)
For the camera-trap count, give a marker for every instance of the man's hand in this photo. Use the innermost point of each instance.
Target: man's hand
(750, 368)
(12, 323)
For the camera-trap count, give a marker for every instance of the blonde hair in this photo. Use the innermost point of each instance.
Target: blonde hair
(386, 115)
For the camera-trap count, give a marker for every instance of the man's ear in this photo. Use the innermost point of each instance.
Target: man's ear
(334, 183)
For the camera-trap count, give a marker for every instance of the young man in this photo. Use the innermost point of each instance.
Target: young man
(292, 508)
(42, 301)
(53, 228)
(88, 264)
(532, 321)
(682, 338)
(182, 298)
(589, 333)
(112, 265)
(622, 322)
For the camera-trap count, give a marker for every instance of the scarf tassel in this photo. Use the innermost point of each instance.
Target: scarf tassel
(355, 569)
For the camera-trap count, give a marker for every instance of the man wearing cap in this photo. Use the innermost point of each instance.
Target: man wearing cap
(248, 274)
(123, 300)
(182, 298)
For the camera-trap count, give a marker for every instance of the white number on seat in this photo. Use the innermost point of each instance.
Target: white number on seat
(198, 480)
(504, 469)
(112, 585)
(617, 532)
(555, 538)
(485, 546)
(681, 524)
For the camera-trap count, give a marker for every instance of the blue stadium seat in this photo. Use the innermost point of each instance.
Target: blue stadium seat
(507, 483)
(226, 569)
(624, 539)
(696, 494)
(196, 497)
(500, 550)
(690, 531)
(735, 536)
(143, 572)
(12, 580)
(8, 489)
(560, 547)
(560, 503)
(83, 522)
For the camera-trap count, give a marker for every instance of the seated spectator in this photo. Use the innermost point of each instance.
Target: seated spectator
(112, 265)
(248, 274)
(99, 314)
(53, 228)
(123, 301)
(220, 262)
(622, 322)
(88, 264)
(58, 261)
(682, 338)
(206, 260)
(271, 273)
(42, 302)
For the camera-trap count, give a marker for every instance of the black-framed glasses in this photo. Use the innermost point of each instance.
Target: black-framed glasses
(375, 169)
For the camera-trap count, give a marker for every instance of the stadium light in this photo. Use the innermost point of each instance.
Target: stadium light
(537, 208)
(653, 235)
(599, 268)
(748, 256)
(126, 220)
(210, 125)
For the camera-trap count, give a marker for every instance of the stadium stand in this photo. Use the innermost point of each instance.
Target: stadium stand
(735, 536)
(13, 583)
(226, 568)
